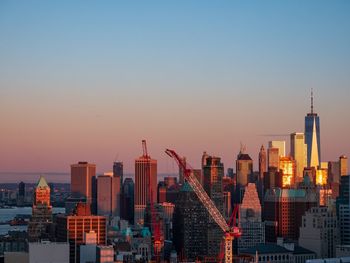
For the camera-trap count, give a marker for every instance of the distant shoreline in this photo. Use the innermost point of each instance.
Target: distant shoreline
(51, 177)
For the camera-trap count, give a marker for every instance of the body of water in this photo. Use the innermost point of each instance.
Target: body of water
(7, 214)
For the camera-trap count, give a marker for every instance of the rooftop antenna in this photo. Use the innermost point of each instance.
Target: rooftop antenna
(312, 101)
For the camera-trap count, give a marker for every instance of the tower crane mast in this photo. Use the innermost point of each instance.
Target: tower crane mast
(230, 232)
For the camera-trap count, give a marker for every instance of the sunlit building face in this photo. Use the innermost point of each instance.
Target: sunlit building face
(287, 165)
(321, 176)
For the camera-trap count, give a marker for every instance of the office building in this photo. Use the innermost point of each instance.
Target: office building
(190, 221)
(145, 185)
(21, 194)
(39, 224)
(283, 211)
(272, 179)
(108, 195)
(181, 172)
(273, 158)
(319, 232)
(262, 162)
(127, 200)
(343, 165)
(252, 227)
(213, 172)
(73, 228)
(118, 170)
(280, 145)
(83, 183)
(312, 137)
(287, 169)
(298, 150)
(244, 168)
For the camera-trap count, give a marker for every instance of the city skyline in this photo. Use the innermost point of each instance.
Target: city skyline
(74, 87)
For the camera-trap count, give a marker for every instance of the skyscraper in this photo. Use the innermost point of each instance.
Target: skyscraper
(244, 168)
(21, 194)
(108, 195)
(273, 158)
(312, 137)
(287, 167)
(280, 145)
(250, 223)
(82, 181)
(213, 172)
(262, 171)
(145, 185)
(190, 219)
(73, 228)
(262, 162)
(127, 202)
(343, 165)
(283, 211)
(118, 171)
(41, 212)
(298, 150)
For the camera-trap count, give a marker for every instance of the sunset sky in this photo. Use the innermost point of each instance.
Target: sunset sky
(89, 80)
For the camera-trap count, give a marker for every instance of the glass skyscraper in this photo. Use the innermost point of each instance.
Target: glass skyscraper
(312, 137)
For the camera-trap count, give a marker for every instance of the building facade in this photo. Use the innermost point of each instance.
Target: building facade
(213, 172)
(319, 232)
(83, 179)
(189, 223)
(312, 137)
(39, 224)
(298, 150)
(251, 225)
(108, 194)
(145, 186)
(72, 228)
(283, 211)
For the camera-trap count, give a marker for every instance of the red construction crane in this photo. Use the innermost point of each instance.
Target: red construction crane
(155, 227)
(229, 232)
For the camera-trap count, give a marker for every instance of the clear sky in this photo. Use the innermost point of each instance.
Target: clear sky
(88, 80)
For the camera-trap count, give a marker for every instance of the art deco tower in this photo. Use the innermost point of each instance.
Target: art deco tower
(312, 137)
(41, 212)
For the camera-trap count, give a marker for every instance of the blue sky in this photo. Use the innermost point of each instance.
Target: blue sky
(90, 79)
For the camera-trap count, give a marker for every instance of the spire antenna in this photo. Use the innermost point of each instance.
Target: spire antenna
(312, 101)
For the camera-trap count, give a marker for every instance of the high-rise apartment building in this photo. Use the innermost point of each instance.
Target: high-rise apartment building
(298, 150)
(74, 227)
(280, 145)
(189, 224)
(83, 175)
(319, 232)
(213, 172)
(41, 212)
(145, 185)
(108, 194)
(312, 137)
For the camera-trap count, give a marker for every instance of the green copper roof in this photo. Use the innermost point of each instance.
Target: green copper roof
(145, 232)
(186, 187)
(42, 182)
